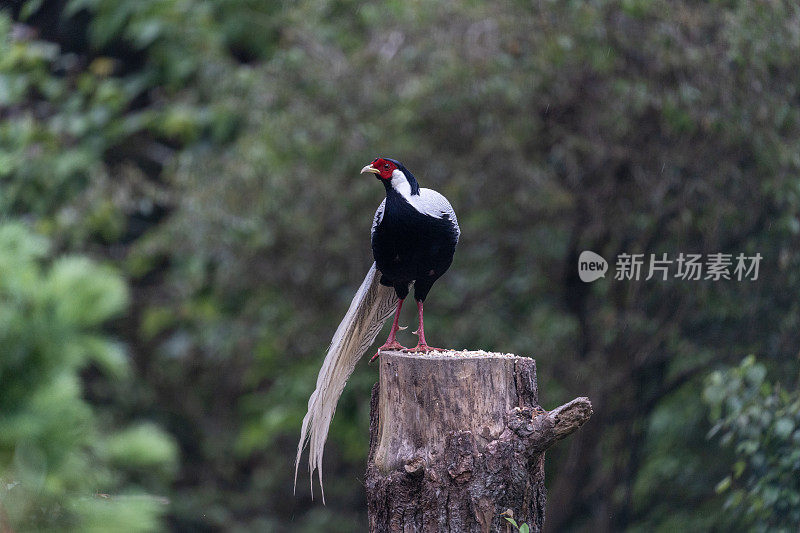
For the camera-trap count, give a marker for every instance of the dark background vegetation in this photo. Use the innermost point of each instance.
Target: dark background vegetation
(182, 226)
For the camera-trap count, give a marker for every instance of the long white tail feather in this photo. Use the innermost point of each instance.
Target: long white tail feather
(371, 306)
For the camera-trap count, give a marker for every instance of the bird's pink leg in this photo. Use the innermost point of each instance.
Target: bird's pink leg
(391, 343)
(422, 346)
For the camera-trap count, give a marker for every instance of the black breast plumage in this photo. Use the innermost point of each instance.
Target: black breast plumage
(409, 245)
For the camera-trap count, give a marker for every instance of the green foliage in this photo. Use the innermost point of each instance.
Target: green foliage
(55, 459)
(209, 150)
(761, 423)
(524, 528)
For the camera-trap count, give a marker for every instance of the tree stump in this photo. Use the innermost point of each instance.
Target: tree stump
(457, 439)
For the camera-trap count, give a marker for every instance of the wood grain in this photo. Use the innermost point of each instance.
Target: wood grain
(457, 438)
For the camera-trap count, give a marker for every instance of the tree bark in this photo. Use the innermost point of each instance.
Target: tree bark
(457, 439)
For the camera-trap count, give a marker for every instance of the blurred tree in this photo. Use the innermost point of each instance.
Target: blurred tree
(58, 468)
(761, 422)
(210, 150)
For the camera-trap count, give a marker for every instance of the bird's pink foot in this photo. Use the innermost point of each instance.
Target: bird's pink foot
(394, 345)
(423, 348)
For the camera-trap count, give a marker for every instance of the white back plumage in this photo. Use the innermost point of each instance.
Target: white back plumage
(428, 202)
(371, 306)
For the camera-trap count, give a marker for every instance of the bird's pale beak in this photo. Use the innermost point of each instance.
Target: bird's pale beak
(371, 169)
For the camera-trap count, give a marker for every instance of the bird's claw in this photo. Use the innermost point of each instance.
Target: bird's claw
(423, 348)
(386, 347)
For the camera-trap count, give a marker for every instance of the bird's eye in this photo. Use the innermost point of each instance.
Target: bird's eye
(386, 166)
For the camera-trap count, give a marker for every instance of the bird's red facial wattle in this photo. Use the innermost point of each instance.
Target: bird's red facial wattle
(382, 168)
